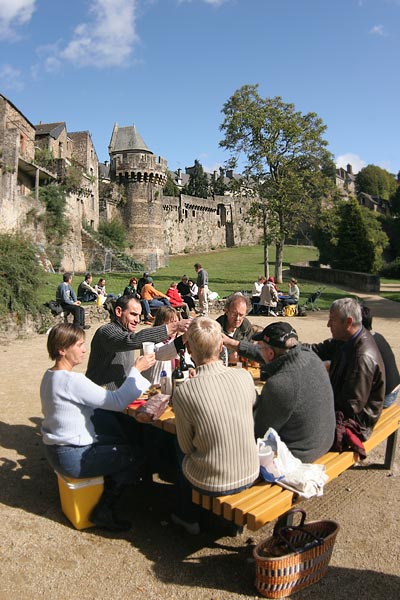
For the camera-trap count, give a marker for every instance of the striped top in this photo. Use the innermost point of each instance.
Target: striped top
(111, 352)
(215, 428)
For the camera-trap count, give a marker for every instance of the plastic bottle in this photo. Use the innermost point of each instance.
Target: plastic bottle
(165, 381)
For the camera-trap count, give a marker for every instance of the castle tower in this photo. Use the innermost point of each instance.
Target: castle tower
(143, 176)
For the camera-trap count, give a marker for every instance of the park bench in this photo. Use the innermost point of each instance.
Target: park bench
(264, 502)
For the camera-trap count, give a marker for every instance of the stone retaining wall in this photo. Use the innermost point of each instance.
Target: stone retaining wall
(361, 282)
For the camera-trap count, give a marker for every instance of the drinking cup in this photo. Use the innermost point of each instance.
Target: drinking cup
(148, 347)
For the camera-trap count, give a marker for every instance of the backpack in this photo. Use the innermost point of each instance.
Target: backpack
(55, 307)
(290, 310)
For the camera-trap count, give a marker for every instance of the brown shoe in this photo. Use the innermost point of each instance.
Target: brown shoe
(147, 323)
(150, 318)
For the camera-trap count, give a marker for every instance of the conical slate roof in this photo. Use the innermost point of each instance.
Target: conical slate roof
(126, 138)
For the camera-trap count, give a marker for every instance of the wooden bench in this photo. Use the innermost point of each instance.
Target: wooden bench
(265, 502)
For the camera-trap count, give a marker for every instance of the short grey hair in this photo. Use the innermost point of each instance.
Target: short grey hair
(204, 336)
(348, 307)
(236, 297)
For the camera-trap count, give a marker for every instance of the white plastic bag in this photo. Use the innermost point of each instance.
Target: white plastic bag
(278, 465)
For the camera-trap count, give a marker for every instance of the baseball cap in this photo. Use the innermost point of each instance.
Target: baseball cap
(276, 334)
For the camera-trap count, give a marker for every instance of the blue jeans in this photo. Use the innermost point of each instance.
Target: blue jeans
(111, 455)
(390, 398)
(156, 303)
(145, 308)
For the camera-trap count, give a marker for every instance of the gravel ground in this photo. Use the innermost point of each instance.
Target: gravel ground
(42, 556)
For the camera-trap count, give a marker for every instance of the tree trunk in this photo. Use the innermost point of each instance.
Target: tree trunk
(279, 260)
(265, 240)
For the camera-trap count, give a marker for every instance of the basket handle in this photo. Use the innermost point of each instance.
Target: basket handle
(287, 519)
(317, 541)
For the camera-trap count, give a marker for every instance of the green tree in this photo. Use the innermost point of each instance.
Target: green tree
(375, 181)
(350, 237)
(198, 182)
(218, 186)
(170, 188)
(285, 157)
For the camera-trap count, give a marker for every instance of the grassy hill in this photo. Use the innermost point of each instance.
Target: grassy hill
(230, 270)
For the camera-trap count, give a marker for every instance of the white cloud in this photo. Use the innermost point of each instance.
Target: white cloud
(11, 78)
(106, 38)
(378, 30)
(350, 159)
(212, 2)
(14, 13)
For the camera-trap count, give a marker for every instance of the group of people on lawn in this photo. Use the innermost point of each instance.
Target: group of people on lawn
(219, 416)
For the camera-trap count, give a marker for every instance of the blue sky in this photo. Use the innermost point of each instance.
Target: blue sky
(168, 66)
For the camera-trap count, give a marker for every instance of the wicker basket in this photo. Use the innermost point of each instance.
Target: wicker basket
(294, 557)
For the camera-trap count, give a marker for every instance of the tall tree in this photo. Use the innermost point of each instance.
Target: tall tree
(198, 182)
(284, 154)
(376, 181)
(350, 237)
(218, 185)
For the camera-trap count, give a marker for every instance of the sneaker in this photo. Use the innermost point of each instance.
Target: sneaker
(271, 312)
(190, 528)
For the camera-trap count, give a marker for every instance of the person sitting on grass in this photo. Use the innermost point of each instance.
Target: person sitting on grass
(87, 293)
(176, 299)
(66, 296)
(154, 297)
(73, 446)
(131, 290)
(214, 424)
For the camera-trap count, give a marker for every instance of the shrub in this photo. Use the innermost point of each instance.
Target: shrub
(19, 276)
(391, 270)
(113, 231)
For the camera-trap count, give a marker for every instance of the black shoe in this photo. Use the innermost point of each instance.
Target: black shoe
(85, 326)
(103, 516)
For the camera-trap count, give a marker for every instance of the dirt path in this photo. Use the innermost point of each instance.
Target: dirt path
(42, 556)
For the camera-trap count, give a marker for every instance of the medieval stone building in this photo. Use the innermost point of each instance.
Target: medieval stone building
(156, 226)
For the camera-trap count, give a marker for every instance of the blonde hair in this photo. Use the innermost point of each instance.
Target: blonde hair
(204, 337)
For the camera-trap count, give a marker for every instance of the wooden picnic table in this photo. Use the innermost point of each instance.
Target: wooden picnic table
(167, 419)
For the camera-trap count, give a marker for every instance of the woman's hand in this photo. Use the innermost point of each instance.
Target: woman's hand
(144, 362)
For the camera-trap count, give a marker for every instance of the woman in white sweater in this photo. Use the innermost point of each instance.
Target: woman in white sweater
(214, 423)
(73, 447)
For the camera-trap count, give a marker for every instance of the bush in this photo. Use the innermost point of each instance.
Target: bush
(20, 276)
(113, 231)
(391, 270)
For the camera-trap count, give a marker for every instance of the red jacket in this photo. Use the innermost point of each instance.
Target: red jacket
(174, 297)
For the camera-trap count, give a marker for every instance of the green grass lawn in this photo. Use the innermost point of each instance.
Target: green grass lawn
(230, 270)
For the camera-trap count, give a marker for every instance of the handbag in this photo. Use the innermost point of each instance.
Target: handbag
(55, 307)
(295, 556)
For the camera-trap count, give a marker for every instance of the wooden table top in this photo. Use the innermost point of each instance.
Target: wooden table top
(167, 419)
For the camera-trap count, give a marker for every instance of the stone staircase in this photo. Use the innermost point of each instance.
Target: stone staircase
(101, 258)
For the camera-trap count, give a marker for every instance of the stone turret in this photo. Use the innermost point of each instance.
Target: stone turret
(143, 176)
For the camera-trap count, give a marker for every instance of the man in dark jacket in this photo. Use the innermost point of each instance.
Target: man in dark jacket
(389, 361)
(234, 323)
(356, 369)
(297, 398)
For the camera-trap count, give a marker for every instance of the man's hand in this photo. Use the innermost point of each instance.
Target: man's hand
(77, 303)
(178, 326)
(230, 342)
(145, 362)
